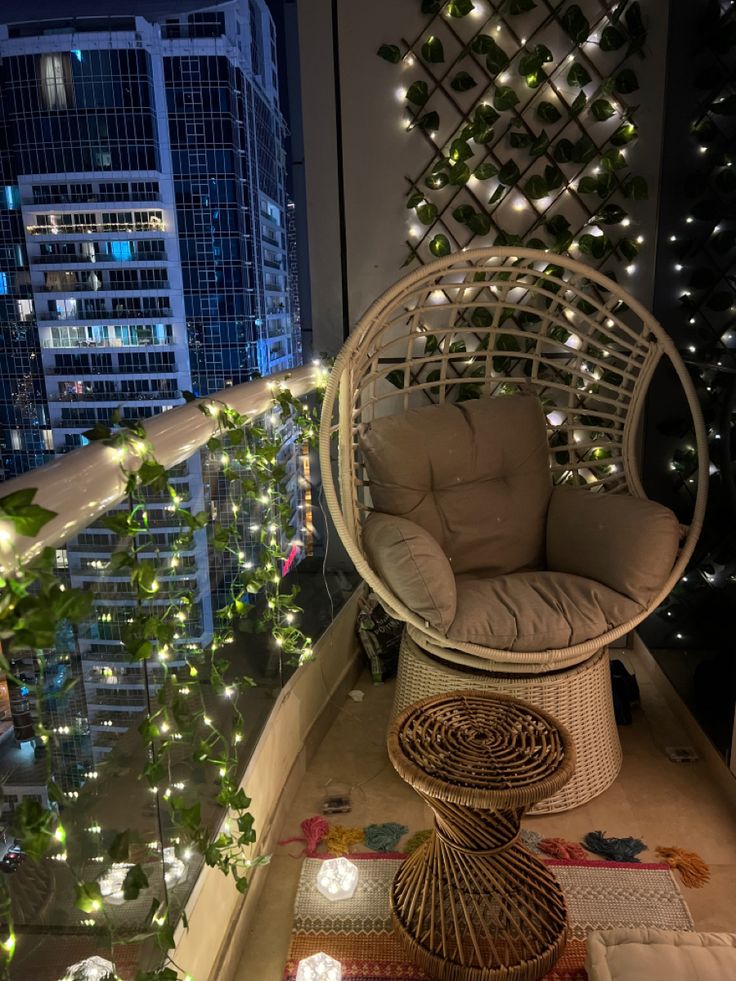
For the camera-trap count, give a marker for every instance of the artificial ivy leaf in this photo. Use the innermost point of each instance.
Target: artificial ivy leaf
(576, 24)
(460, 8)
(536, 187)
(482, 134)
(134, 881)
(509, 173)
(563, 151)
(427, 213)
(496, 58)
(504, 98)
(521, 6)
(595, 245)
(635, 188)
(612, 38)
(463, 82)
(87, 896)
(548, 112)
(635, 27)
(578, 103)
(414, 199)
(725, 107)
(532, 61)
(481, 44)
(535, 79)
(539, 145)
(720, 301)
(27, 518)
(624, 134)
(432, 6)
(578, 75)
(460, 174)
(484, 171)
(628, 249)
(602, 110)
(584, 149)
(485, 114)
(396, 378)
(120, 847)
(436, 181)
(606, 184)
(439, 246)
(534, 243)
(613, 160)
(625, 82)
(429, 121)
(497, 194)
(459, 150)
(463, 213)
(610, 214)
(519, 139)
(553, 176)
(432, 50)
(417, 93)
(389, 52)
(558, 224)
(479, 223)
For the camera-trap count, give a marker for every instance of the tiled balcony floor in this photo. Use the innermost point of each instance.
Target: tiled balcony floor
(662, 803)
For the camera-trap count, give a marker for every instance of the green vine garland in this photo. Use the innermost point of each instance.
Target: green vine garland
(192, 719)
(544, 143)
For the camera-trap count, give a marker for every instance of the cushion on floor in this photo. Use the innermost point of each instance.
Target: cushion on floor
(475, 476)
(413, 566)
(622, 541)
(533, 611)
(650, 954)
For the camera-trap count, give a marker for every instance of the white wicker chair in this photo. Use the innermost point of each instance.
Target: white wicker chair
(490, 322)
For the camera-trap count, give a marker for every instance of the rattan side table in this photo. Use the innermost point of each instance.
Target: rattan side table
(472, 904)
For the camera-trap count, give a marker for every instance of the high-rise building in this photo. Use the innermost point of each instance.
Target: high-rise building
(143, 252)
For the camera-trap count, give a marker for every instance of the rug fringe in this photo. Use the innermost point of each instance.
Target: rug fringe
(561, 848)
(614, 849)
(340, 839)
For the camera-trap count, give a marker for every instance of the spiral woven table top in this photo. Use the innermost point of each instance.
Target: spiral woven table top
(481, 749)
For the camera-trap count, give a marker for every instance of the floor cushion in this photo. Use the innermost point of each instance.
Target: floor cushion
(649, 954)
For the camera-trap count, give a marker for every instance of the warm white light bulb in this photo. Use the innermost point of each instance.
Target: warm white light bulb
(337, 879)
(319, 967)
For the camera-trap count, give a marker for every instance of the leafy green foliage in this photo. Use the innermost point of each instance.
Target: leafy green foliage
(417, 93)
(576, 24)
(389, 52)
(548, 112)
(432, 50)
(578, 75)
(602, 109)
(463, 82)
(459, 8)
(19, 510)
(504, 98)
(439, 246)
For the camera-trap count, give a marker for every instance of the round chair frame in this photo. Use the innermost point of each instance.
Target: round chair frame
(491, 322)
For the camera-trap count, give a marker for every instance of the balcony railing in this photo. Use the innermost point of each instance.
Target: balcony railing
(102, 287)
(124, 314)
(98, 257)
(96, 228)
(120, 395)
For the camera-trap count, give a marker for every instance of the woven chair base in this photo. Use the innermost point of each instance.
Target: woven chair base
(579, 697)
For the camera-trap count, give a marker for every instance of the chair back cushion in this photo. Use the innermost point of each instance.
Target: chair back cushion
(474, 475)
(628, 543)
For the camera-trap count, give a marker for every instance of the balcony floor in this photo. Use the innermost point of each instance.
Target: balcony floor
(663, 803)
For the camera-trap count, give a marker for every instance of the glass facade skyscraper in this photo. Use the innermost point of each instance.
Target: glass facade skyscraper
(143, 252)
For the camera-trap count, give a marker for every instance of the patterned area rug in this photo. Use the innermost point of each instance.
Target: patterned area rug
(357, 931)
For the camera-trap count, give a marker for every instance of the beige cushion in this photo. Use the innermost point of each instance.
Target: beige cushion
(625, 542)
(536, 611)
(649, 954)
(413, 566)
(474, 475)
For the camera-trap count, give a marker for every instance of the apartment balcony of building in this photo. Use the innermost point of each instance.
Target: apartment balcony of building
(102, 287)
(68, 202)
(121, 314)
(116, 395)
(77, 231)
(102, 259)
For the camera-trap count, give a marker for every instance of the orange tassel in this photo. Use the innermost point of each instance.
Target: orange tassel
(693, 870)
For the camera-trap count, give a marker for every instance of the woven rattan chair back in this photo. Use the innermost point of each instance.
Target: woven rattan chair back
(493, 322)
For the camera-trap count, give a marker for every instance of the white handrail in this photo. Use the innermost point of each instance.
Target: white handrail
(82, 485)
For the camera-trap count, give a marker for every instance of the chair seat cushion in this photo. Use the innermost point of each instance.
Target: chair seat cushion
(648, 954)
(536, 611)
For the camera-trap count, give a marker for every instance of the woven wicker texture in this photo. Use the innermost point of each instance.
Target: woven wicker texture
(472, 904)
(492, 322)
(579, 697)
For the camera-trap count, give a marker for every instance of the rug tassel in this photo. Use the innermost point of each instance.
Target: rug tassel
(313, 831)
(530, 839)
(693, 870)
(613, 849)
(340, 839)
(417, 840)
(570, 851)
